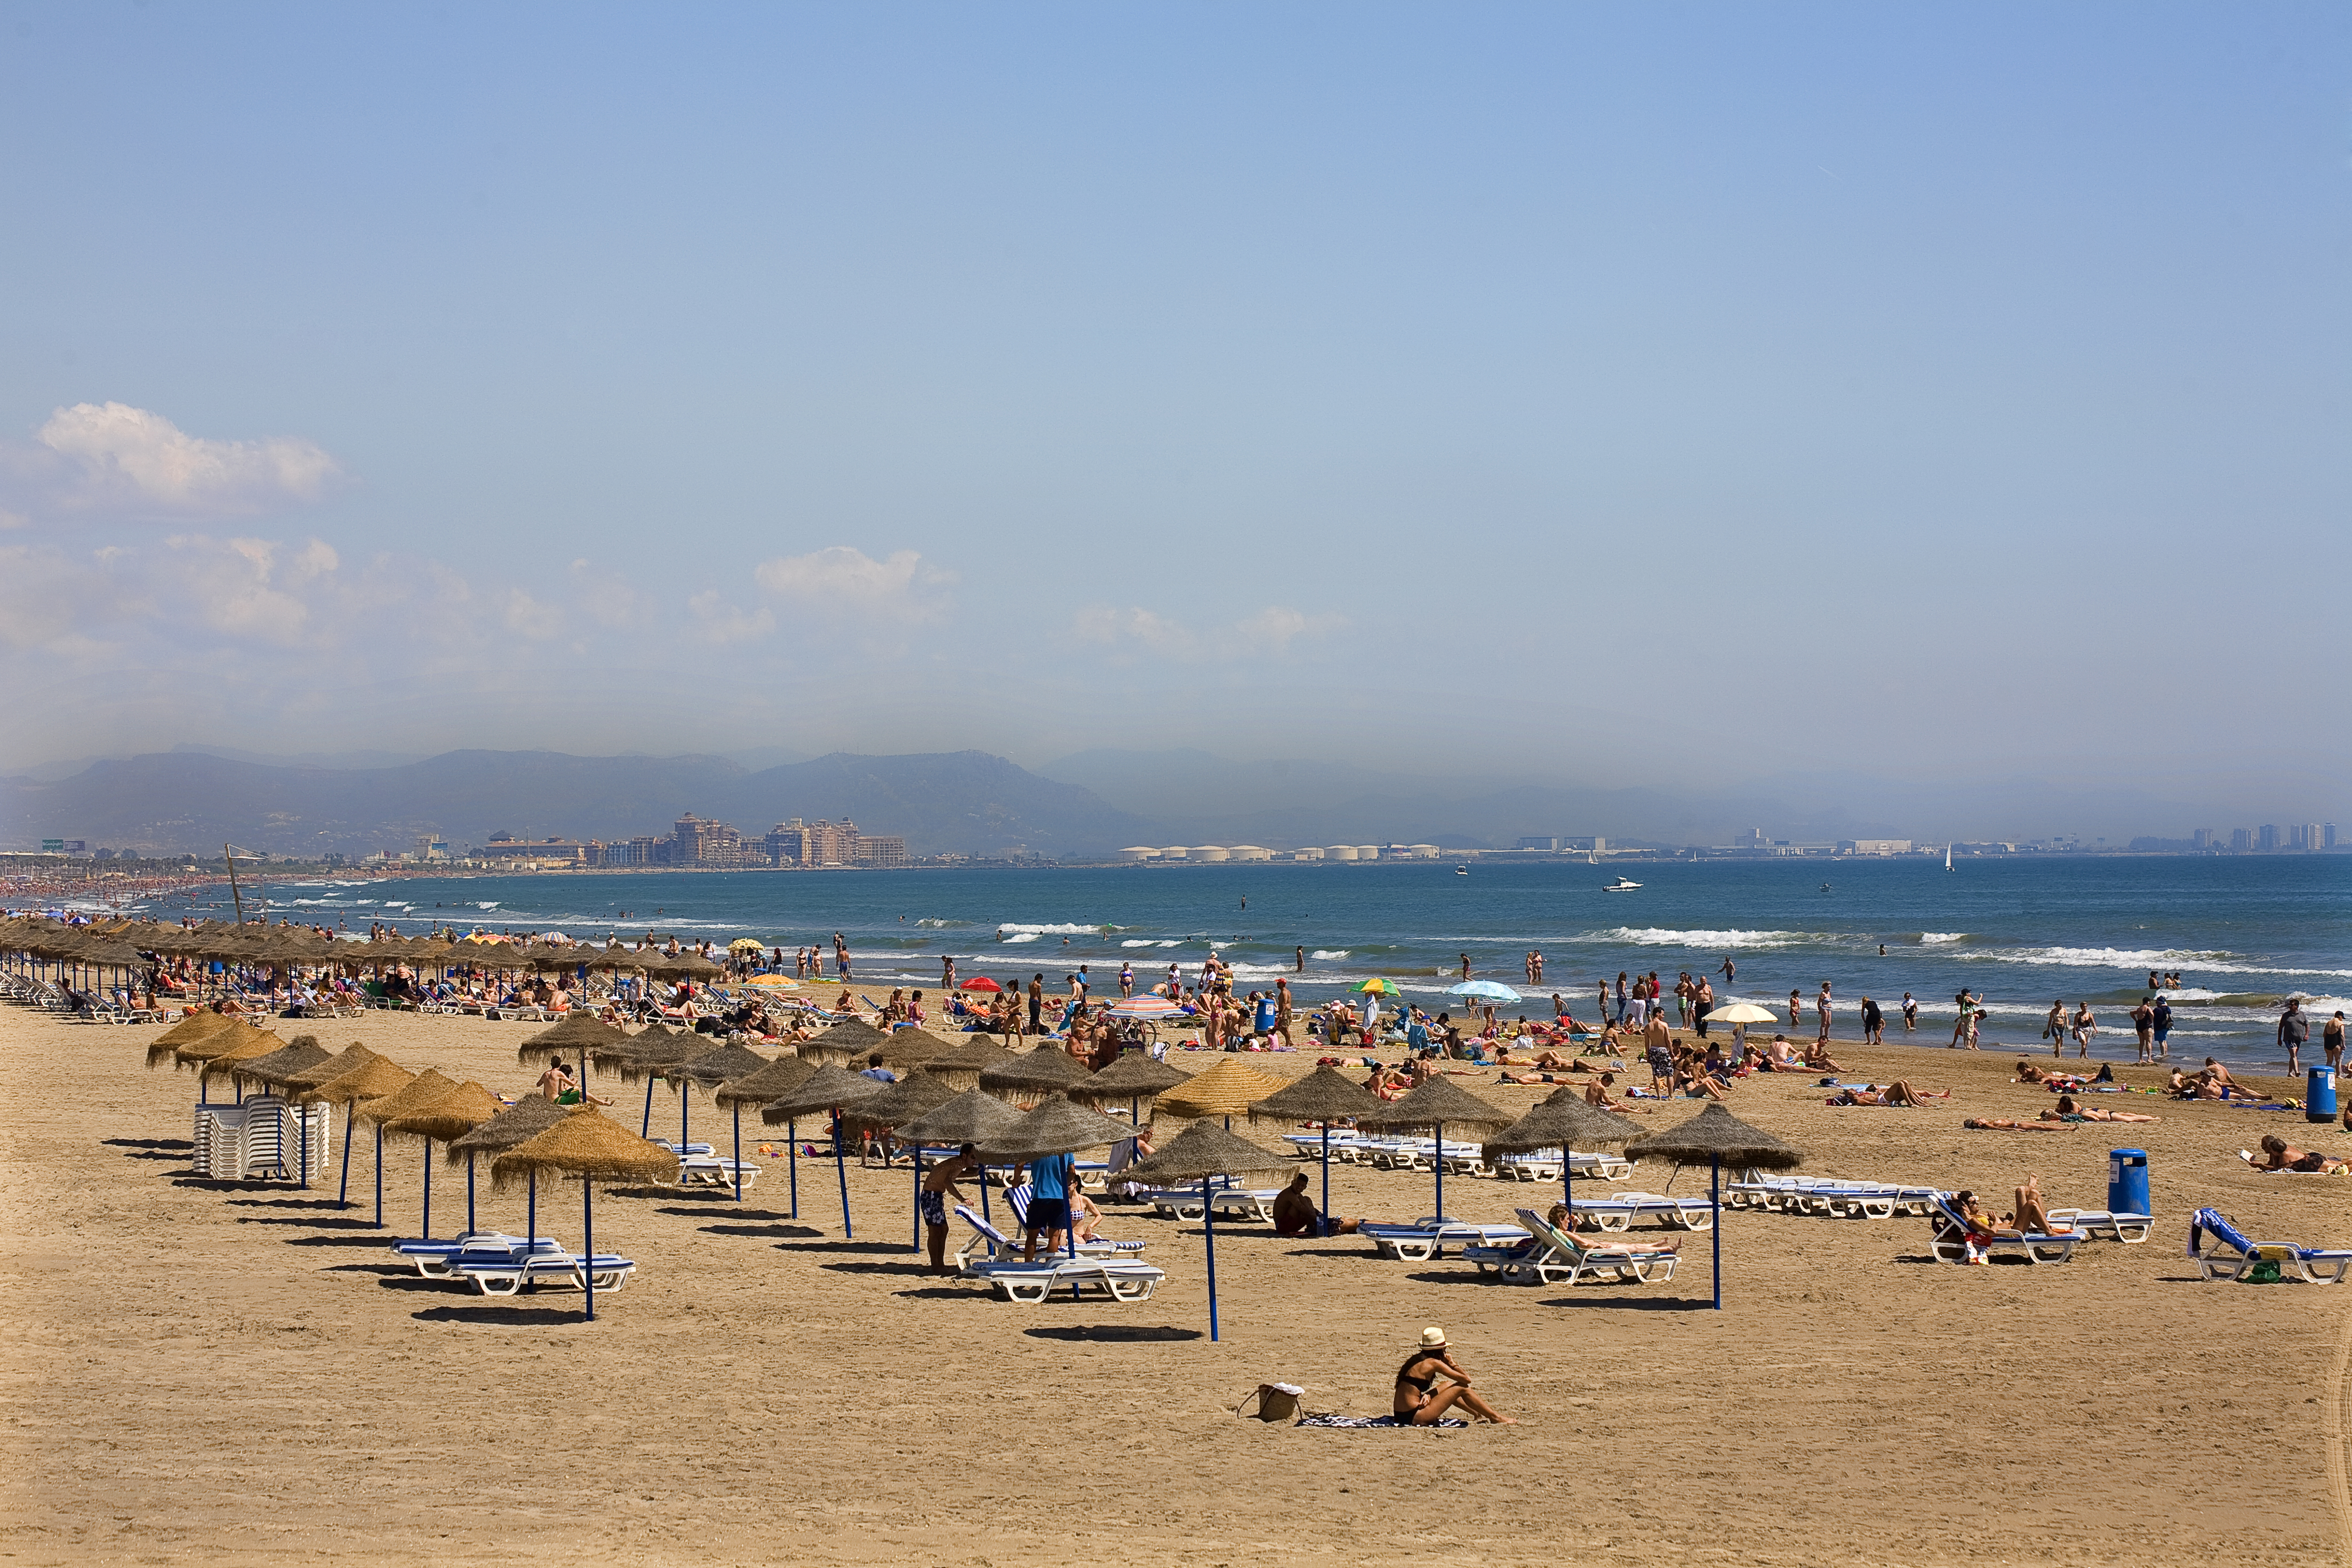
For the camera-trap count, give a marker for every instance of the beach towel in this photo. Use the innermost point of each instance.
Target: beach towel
(1351, 1422)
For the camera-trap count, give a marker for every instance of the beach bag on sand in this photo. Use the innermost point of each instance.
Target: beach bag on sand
(1275, 1402)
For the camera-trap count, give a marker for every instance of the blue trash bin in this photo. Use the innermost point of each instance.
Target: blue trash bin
(2319, 1096)
(2127, 1181)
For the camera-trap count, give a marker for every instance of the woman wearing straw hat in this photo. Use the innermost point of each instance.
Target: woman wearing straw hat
(1421, 1402)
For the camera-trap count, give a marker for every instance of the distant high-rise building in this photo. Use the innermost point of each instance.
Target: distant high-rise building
(2202, 838)
(2266, 837)
(2327, 836)
(2241, 838)
(882, 849)
(2311, 836)
(1539, 841)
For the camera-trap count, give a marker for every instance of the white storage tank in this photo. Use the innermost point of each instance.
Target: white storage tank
(1307, 855)
(1250, 852)
(1368, 851)
(1340, 852)
(1210, 852)
(1135, 852)
(1174, 852)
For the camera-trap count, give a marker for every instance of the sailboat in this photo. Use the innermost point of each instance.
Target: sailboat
(1948, 857)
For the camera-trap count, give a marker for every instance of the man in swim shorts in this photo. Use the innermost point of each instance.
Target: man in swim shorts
(1657, 1045)
(939, 1187)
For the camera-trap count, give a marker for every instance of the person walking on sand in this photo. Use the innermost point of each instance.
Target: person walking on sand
(1873, 1024)
(1036, 1004)
(2054, 1027)
(939, 1187)
(2143, 1019)
(2331, 1041)
(2293, 1030)
(1282, 1009)
(1420, 1401)
(1821, 1011)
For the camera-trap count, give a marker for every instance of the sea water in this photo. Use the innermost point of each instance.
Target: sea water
(2245, 933)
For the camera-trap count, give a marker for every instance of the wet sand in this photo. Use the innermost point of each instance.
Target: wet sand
(218, 1373)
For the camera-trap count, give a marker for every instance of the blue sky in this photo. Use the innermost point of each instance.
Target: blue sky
(1925, 390)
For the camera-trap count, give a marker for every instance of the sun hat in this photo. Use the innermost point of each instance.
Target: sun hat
(1433, 1338)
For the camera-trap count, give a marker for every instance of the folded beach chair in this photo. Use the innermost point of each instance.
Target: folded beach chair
(498, 1271)
(1032, 1283)
(991, 1244)
(433, 1257)
(2234, 1254)
(1429, 1237)
(1952, 1242)
(1619, 1210)
(1553, 1256)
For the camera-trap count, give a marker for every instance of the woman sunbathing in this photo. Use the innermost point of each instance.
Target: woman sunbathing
(1899, 1092)
(2029, 1214)
(1993, 1124)
(2278, 1154)
(2068, 1111)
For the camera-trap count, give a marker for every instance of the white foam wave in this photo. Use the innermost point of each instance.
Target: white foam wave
(1930, 938)
(1658, 936)
(2143, 960)
(1054, 930)
(491, 905)
(1176, 941)
(1330, 952)
(1022, 936)
(928, 921)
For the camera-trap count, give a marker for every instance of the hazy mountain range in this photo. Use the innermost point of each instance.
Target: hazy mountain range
(1082, 806)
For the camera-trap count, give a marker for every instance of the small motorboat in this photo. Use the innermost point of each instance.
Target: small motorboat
(1622, 885)
(1461, 870)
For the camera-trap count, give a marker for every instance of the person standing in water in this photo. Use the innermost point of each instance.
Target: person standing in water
(1299, 966)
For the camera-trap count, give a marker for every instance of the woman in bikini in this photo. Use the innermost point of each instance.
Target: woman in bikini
(1421, 1400)
(2278, 1154)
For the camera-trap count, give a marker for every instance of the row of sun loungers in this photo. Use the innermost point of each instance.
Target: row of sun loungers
(496, 1264)
(1460, 1158)
(1835, 1199)
(700, 1165)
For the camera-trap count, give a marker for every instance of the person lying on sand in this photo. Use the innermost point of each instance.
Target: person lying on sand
(1295, 1214)
(1899, 1092)
(2278, 1154)
(2068, 1111)
(1994, 1124)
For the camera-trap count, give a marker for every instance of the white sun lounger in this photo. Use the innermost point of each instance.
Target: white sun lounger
(434, 1256)
(1032, 1283)
(1619, 1210)
(497, 1272)
(1553, 1256)
(1950, 1244)
(1429, 1237)
(2127, 1228)
(994, 1245)
(2234, 1252)
(1184, 1203)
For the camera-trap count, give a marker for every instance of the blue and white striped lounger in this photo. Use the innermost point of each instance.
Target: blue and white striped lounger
(2234, 1252)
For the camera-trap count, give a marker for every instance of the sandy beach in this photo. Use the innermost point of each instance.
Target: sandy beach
(231, 1372)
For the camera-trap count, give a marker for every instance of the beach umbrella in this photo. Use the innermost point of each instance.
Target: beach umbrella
(972, 1117)
(223, 1052)
(746, 944)
(774, 982)
(425, 1088)
(370, 1079)
(524, 1120)
(1226, 1088)
(980, 982)
(1565, 1120)
(710, 1070)
(1484, 990)
(1435, 1105)
(1055, 1127)
(1376, 986)
(1716, 1136)
(913, 1047)
(647, 1056)
(1142, 1008)
(444, 1117)
(589, 1145)
(575, 1035)
(960, 1067)
(1324, 1096)
(1134, 1078)
(1034, 1076)
(1202, 1151)
(273, 1070)
(778, 1078)
(1739, 1014)
(832, 1090)
(905, 1101)
(850, 1041)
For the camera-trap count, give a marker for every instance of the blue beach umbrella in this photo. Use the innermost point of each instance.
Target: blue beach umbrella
(1483, 991)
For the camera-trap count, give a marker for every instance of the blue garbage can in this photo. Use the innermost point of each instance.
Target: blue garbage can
(1265, 1020)
(2319, 1097)
(2127, 1181)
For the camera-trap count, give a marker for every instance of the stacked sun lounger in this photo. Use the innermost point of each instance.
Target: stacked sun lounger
(1429, 1237)
(1817, 1196)
(2234, 1255)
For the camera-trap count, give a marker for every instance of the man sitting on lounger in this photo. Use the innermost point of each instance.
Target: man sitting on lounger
(2278, 1154)
(1420, 1401)
(939, 1187)
(1295, 1214)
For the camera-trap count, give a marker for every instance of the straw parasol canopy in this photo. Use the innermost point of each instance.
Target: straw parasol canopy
(913, 1048)
(1202, 1150)
(1438, 1102)
(239, 1035)
(516, 1124)
(960, 1067)
(650, 1053)
(1227, 1089)
(1715, 1134)
(371, 1079)
(588, 1145)
(974, 1115)
(448, 1116)
(773, 1081)
(712, 1068)
(826, 1088)
(351, 1059)
(577, 1032)
(915, 1095)
(278, 1067)
(220, 1032)
(194, 1027)
(419, 1092)
(1326, 1095)
(252, 1046)
(1034, 1076)
(852, 1039)
(1563, 1122)
(1056, 1127)
(1133, 1077)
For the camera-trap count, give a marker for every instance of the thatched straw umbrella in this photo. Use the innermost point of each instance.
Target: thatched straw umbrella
(913, 1048)
(1324, 1096)
(1716, 1136)
(648, 1055)
(915, 1095)
(587, 1144)
(273, 1070)
(348, 1059)
(417, 1092)
(777, 1079)
(1134, 1078)
(518, 1123)
(850, 1041)
(827, 1089)
(1055, 1127)
(372, 1079)
(446, 1117)
(1226, 1089)
(576, 1034)
(973, 1116)
(1563, 1120)
(1433, 1105)
(710, 1070)
(961, 1069)
(249, 1045)
(1200, 1152)
(1034, 1076)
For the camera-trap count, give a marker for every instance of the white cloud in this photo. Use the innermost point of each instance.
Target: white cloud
(714, 620)
(237, 586)
(1268, 633)
(115, 455)
(527, 616)
(846, 579)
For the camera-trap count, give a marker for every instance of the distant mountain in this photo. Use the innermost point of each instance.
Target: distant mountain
(170, 801)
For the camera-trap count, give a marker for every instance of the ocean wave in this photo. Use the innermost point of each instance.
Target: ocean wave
(1022, 936)
(1138, 941)
(1329, 953)
(928, 921)
(1657, 936)
(2142, 958)
(491, 905)
(1055, 930)
(1937, 938)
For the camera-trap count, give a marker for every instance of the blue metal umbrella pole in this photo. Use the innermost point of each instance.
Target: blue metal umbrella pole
(793, 1164)
(428, 1189)
(469, 1192)
(302, 1131)
(919, 1197)
(344, 1194)
(739, 1153)
(588, 1241)
(531, 1214)
(645, 1128)
(1209, 1240)
(379, 1175)
(1714, 1196)
(1327, 1178)
(681, 1116)
(841, 1169)
(1437, 1130)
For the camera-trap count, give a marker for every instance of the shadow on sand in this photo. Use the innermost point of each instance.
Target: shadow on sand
(1115, 1333)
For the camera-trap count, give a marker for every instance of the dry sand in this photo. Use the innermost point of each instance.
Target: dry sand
(202, 1372)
